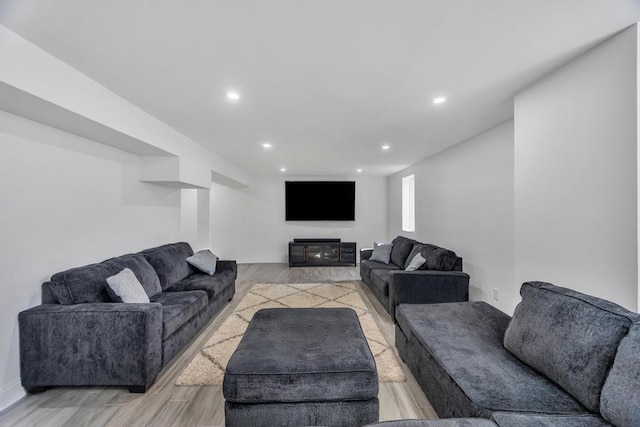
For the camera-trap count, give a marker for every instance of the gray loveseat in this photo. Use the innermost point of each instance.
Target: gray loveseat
(440, 279)
(78, 336)
(564, 359)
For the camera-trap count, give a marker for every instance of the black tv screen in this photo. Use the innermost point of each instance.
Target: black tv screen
(320, 200)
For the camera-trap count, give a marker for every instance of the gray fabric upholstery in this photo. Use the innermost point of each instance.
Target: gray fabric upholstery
(125, 287)
(427, 287)
(380, 279)
(170, 262)
(620, 399)
(414, 262)
(453, 422)
(402, 247)
(107, 343)
(322, 351)
(456, 350)
(345, 413)
(436, 258)
(178, 308)
(503, 419)
(90, 344)
(568, 336)
(85, 284)
(368, 266)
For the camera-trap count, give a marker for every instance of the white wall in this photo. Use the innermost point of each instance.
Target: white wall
(66, 201)
(576, 174)
(248, 224)
(464, 202)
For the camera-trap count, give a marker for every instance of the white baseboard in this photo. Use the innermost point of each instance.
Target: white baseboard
(10, 395)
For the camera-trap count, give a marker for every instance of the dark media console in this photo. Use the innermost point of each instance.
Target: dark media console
(321, 252)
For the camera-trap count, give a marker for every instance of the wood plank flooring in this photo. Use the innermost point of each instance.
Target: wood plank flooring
(165, 404)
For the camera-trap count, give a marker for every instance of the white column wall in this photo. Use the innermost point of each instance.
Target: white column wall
(576, 174)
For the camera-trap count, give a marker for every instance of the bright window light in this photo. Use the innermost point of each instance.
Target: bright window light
(408, 203)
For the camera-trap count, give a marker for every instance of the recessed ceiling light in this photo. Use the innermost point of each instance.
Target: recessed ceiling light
(386, 147)
(439, 100)
(359, 170)
(266, 145)
(233, 96)
(283, 169)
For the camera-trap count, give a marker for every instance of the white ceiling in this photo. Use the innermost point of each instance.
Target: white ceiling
(327, 82)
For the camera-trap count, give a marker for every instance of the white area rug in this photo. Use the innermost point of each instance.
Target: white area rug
(207, 367)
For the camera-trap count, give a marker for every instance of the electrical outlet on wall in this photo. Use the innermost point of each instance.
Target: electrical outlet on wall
(496, 294)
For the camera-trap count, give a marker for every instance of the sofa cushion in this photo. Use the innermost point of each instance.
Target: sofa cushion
(213, 285)
(414, 262)
(465, 339)
(437, 258)
(86, 284)
(509, 419)
(125, 287)
(568, 336)
(452, 422)
(401, 249)
(620, 400)
(170, 262)
(380, 279)
(368, 266)
(178, 308)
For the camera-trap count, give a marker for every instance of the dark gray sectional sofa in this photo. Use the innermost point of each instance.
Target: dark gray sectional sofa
(565, 359)
(79, 336)
(440, 279)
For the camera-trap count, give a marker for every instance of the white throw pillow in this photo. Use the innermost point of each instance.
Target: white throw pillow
(125, 287)
(204, 261)
(381, 252)
(417, 262)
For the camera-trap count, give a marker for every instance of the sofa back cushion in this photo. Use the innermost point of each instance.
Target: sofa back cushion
(620, 401)
(401, 249)
(568, 336)
(436, 258)
(88, 284)
(170, 262)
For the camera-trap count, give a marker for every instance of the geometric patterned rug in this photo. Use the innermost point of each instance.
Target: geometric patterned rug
(207, 367)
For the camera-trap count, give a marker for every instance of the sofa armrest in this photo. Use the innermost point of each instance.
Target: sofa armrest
(91, 344)
(427, 287)
(228, 265)
(365, 254)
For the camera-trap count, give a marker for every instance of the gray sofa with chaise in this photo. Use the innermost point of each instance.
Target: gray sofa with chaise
(439, 279)
(564, 359)
(79, 336)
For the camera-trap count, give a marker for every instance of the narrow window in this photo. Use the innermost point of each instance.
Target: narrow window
(408, 203)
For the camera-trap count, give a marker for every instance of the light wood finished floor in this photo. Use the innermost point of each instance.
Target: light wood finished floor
(165, 404)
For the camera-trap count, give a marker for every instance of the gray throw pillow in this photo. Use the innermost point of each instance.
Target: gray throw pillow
(204, 261)
(415, 263)
(381, 252)
(125, 287)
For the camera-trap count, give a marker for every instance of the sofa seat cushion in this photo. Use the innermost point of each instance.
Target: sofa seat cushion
(569, 337)
(381, 279)
(170, 262)
(213, 284)
(466, 341)
(506, 419)
(178, 308)
(302, 355)
(368, 266)
(620, 400)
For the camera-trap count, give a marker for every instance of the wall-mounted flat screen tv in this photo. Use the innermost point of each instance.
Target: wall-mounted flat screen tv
(320, 200)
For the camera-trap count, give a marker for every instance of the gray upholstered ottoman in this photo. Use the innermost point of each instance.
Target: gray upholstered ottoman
(302, 366)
